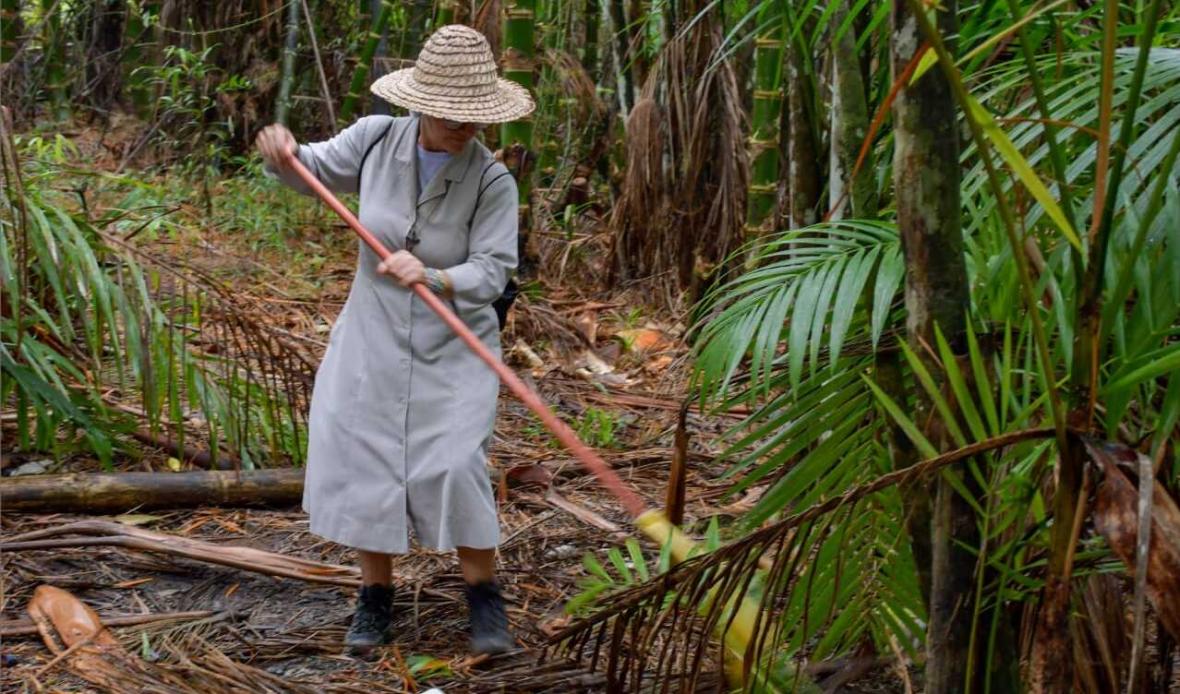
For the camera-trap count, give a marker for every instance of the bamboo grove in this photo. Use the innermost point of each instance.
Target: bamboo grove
(931, 249)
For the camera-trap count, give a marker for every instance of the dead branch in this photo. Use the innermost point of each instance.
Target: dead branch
(26, 627)
(111, 534)
(202, 459)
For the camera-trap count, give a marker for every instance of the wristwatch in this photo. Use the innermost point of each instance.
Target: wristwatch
(437, 281)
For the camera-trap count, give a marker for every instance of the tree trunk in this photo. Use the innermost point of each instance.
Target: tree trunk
(104, 78)
(590, 45)
(139, 33)
(762, 192)
(803, 175)
(626, 82)
(104, 533)
(637, 16)
(926, 178)
(855, 195)
(287, 79)
(122, 492)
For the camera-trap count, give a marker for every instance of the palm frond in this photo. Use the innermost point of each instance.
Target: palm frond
(1073, 102)
(850, 586)
(789, 296)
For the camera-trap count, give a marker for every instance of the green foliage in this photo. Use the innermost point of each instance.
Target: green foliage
(427, 667)
(620, 572)
(269, 214)
(598, 428)
(187, 85)
(625, 572)
(91, 327)
(809, 289)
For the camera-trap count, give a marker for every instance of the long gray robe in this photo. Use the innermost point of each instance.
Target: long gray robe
(402, 411)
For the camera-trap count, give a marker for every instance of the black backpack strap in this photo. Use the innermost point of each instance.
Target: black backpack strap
(484, 186)
(361, 168)
(502, 304)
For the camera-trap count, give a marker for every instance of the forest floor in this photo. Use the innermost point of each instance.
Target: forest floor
(608, 360)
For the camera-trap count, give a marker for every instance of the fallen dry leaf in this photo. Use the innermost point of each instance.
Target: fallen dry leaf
(587, 325)
(644, 339)
(1116, 517)
(553, 626)
(91, 651)
(530, 474)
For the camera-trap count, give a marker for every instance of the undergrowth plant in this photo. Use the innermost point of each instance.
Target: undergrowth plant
(102, 338)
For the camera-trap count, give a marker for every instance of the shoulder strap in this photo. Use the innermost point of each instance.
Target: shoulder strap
(484, 186)
(361, 168)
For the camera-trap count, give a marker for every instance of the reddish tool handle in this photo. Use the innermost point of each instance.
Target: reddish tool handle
(630, 500)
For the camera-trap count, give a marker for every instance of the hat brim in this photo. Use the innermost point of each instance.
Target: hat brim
(508, 102)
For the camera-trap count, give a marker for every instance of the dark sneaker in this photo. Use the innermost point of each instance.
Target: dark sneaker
(370, 624)
(489, 620)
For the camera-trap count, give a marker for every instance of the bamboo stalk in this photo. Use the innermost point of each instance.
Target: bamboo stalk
(762, 192)
(287, 80)
(448, 12)
(55, 56)
(516, 137)
(519, 56)
(360, 75)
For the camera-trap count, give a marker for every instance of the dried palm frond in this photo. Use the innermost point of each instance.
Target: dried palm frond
(682, 207)
(575, 84)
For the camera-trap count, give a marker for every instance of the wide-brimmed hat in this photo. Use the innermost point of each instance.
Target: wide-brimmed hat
(455, 78)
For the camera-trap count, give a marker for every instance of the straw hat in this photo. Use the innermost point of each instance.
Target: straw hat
(455, 78)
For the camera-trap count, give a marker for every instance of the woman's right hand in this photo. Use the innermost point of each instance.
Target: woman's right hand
(274, 143)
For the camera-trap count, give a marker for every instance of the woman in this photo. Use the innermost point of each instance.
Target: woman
(402, 411)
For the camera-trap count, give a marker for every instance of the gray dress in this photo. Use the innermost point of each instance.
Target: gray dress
(402, 411)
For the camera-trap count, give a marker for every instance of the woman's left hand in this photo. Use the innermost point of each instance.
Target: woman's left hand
(404, 267)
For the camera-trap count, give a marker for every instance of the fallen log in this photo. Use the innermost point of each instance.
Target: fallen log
(121, 492)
